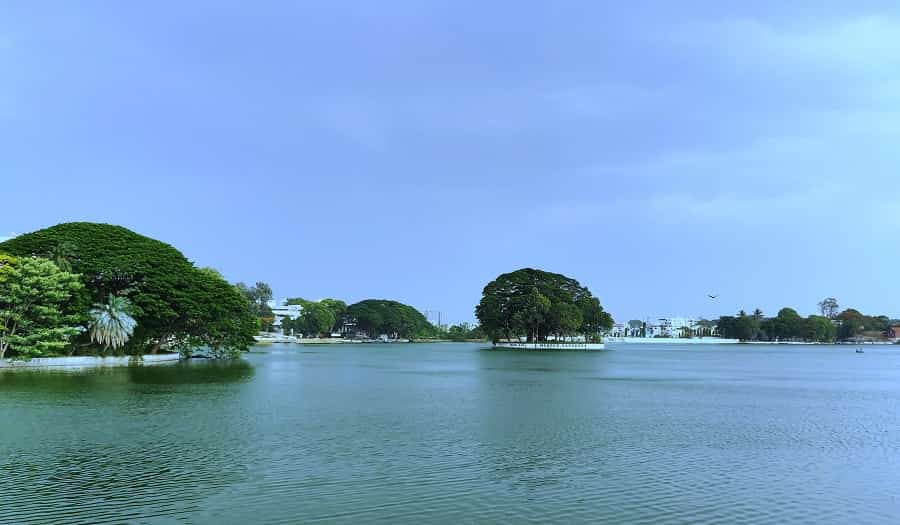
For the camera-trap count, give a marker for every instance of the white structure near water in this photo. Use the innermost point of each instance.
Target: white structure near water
(663, 327)
(550, 345)
(281, 309)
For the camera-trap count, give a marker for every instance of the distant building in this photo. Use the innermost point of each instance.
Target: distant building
(281, 309)
(671, 327)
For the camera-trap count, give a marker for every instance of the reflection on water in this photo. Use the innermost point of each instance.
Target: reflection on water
(192, 371)
(453, 433)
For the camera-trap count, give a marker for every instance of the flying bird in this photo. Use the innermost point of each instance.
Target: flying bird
(711, 296)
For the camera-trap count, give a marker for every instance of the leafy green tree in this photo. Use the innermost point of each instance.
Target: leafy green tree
(829, 307)
(850, 328)
(338, 309)
(568, 318)
(392, 318)
(789, 325)
(747, 327)
(743, 327)
(819, 329)
(316, 319)
(533, 312)
(34, 294)
(464, 332)
(852, 323)
(298, 301)
(530, 302)
(287, 326)
(258, 296)
(219, 319)
(727, 326)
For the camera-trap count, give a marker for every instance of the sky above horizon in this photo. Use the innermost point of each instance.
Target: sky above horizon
(655, 151)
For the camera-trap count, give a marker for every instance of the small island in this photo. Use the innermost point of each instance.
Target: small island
(89, 290)
(532, 309)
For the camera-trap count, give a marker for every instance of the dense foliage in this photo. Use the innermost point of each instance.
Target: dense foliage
(381, 317)
(315, 320)
(259, 296)
(788, 325)
(464, 332)
(35, 313)
(538, 304)
(174, 304)
(324, 317)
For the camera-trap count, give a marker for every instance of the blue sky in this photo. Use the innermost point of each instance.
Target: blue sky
(656, 151)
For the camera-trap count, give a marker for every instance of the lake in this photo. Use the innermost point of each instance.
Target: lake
(454, 433)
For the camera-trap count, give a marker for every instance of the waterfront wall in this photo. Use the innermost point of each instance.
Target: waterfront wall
(671, 341)
(88, 361)
(549, 346)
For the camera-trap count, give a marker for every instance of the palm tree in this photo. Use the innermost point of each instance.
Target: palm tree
(111, 323)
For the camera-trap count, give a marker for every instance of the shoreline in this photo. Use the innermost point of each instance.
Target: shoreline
(83, 362)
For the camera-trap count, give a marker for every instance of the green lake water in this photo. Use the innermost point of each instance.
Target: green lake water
(453, 433)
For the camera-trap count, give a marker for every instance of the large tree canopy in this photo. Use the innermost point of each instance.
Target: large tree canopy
(174, 303)
(378, 316)
(537, 304)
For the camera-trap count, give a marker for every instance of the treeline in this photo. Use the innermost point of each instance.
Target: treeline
(372, 317)
(790, 326)
(463, 332)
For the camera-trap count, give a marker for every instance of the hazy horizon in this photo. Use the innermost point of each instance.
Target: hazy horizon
(414, 151)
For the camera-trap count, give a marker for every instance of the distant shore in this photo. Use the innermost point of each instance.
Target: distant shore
(282, 339)
(670, 340)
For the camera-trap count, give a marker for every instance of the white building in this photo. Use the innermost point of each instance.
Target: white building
(281, 309)
(673, 327)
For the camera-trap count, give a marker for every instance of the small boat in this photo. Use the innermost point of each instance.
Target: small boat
(859, 351)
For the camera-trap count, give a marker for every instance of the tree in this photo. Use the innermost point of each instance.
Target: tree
(743, 327)
(593, 318)
(789, 325)
(111, 324)
(535, 304)
(258, 296)
(338, 309)
(829, 307)
(218, 319)
(315, 319)
(727, 325)
(34, 294)
(747, 327)
(819, 329)
(392, 318)
(464, 332)
(533, 312)
(287, 326)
